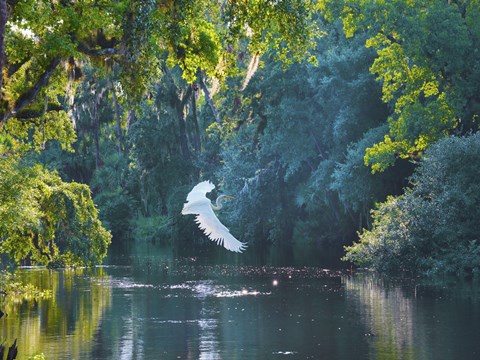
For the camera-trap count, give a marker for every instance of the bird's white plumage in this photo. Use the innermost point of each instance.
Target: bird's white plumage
(200, 191)
(198, 204)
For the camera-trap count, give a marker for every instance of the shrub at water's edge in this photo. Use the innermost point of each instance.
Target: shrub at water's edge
(46, 221)
(433, 228)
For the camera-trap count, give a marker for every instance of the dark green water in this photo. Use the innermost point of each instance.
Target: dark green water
(150, 306)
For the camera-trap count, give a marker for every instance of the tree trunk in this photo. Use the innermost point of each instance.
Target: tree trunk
(119, 123)
(96, 135)
(3, 22)
(96, 126)
(197, 143)
(131, 118)
(182, 130)
(181, 123)
(210, 101)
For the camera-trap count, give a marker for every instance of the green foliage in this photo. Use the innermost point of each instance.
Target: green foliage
(38, 36)
(17, 137)
(432, 228)
(286, 27)
(425, 64)
(151, 229)
(207, 35)
(286, 161)
(111, 196)
(142, 42)
(14, 290)
(42, 217)
(134, 35)
(356, 186)
(197, 45)
(115, 211)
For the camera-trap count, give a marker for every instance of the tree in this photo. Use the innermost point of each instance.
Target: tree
(44, 220)
(424, 61)
(433, 228)
(37, 36)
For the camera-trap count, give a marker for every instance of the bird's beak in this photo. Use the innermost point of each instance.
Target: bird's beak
(230, 197)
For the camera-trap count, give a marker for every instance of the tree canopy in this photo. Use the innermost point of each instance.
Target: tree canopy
(426, 65)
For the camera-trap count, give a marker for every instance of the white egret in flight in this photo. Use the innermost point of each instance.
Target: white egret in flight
(198, 204)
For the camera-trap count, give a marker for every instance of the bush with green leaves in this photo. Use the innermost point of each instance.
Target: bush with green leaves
(433, 228)
(44, 220)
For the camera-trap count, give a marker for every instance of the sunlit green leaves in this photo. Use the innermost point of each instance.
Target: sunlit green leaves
(198, 47)
(425, 64)
(285, 26)
(18, 136)
(43, 218)
(195, 35)
(207, 35)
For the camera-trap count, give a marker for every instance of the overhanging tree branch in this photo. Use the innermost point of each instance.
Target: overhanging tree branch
(30, 95)
(27, 114)
(13, 68)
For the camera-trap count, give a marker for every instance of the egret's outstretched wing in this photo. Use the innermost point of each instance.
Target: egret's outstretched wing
(196, 197)
(198, 204)
(200, 191)
(215, 230)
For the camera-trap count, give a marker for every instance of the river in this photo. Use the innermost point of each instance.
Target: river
(155, 306)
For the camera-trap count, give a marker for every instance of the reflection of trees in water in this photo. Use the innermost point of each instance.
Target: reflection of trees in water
(387, 314)
(68, 320)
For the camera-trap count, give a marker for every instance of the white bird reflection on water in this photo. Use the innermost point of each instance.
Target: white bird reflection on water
(209, 343)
